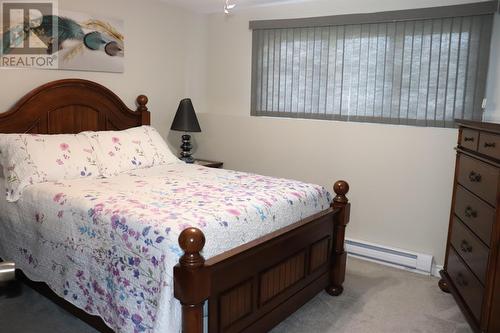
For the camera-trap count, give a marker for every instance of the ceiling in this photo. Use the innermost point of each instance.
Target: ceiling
(214, 6)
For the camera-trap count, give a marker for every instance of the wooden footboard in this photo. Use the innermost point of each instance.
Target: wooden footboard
(255, 286)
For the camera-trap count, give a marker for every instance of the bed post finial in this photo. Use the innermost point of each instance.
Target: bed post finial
(341, 188)
(339, 256)
(191, 281)
(192, 241)
(142, 100)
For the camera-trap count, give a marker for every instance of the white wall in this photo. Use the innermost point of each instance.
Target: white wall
(400, 176)
(162, 58)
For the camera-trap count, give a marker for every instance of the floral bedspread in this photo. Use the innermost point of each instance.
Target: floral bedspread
(109, 245)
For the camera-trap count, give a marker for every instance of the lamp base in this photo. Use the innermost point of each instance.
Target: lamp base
(189, 160)
(186, 149)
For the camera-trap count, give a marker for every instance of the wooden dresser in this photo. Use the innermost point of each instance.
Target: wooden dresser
(472, 265)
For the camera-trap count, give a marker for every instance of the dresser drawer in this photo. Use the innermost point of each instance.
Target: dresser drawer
(467, 284)
(489, 144)
(470, 248)
(474, 212)
(469, 139)
(478, 177)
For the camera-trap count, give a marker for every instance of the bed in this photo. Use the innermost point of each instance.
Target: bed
(271, 244)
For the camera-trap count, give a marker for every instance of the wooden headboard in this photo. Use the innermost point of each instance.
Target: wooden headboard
(72, 106)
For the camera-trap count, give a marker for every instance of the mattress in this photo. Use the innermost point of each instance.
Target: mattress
(109, 245)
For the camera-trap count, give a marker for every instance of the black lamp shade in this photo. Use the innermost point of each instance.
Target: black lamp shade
(185, 119)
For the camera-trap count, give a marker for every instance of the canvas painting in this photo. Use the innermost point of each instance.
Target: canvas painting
(95, 44)
(67, 41)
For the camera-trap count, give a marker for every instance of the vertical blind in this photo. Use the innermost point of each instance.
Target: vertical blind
(424, 72)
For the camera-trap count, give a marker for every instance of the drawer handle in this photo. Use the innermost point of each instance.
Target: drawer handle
(469, 138)
(461, 280)
(466, 247)
(489, 145)
(474, 177)
(469, 212)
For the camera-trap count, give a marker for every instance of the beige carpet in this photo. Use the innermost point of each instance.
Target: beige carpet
(380, 299)
(377, 299)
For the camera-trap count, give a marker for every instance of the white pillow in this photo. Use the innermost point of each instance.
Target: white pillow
(134, 148)
(28, 159)
(156, 148)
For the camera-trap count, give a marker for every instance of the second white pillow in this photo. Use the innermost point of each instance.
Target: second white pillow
(133, 148)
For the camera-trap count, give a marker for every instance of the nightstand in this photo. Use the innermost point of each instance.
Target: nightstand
(209, 164)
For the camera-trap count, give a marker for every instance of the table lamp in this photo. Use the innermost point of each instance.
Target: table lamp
(185, 120)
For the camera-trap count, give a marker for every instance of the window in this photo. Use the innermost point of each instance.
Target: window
(422, 67)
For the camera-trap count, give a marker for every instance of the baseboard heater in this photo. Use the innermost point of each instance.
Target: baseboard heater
(418, 262)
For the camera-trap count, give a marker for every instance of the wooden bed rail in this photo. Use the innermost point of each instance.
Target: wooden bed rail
(255, 286)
